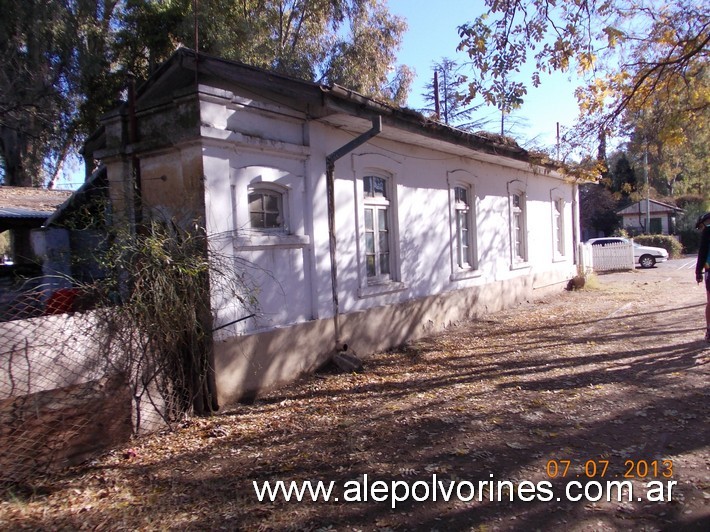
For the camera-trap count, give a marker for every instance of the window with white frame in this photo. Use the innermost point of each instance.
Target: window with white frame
(518, 228)
(462, 219)
(558, 209)
(377, 229)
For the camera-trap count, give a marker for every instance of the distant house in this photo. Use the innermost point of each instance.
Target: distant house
(357, 222)
(23, 209)
(54, 236)
(662, 218)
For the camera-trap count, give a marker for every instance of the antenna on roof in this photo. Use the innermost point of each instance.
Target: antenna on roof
(436, 95)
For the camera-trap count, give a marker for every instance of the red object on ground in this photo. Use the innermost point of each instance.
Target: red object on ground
(61, 301)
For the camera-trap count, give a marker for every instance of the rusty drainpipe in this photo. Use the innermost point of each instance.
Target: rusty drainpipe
(330, 185)
(135, 161)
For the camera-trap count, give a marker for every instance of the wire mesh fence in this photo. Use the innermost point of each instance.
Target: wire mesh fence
(67, 389)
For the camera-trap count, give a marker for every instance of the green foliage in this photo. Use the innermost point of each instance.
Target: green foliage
(690, 240)
(623, 179)
(635, 57)
(454, 109)
(667, 242)
(36, 69)
(362, 57)
(598, 209)
(693, 206)
(63, 63)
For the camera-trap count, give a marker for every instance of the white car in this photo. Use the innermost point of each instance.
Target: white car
(645, 256)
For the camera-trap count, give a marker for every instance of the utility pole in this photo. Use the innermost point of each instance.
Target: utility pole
(436, 95)
(648, 190)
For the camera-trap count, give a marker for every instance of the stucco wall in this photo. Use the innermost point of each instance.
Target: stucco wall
(246, 144)
(248, 364)
(292, 271)
(249, 141)
(63, 351)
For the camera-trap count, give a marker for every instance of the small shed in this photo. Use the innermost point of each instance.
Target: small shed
(661, 217)
(23, 209)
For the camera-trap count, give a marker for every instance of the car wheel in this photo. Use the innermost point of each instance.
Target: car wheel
(647, 261)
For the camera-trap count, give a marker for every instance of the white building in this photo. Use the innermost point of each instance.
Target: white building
(430, 225)
(661, 218)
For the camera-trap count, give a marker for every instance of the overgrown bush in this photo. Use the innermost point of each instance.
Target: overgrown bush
(667, 242)
(693, 206)
(690, 239)
(153, 307)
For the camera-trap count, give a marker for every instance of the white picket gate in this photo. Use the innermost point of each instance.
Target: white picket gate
(617, 256)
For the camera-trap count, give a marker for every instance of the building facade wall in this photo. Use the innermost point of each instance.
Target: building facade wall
(249, 147)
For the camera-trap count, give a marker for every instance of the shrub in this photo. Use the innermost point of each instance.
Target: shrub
(690, 238)
(667, 242)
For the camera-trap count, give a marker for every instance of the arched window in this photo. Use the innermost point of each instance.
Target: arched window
(268, 207)
(265, 209)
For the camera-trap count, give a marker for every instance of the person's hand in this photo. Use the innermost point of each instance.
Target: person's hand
(699, 277)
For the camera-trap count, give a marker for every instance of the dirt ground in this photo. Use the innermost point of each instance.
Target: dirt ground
(549, 399)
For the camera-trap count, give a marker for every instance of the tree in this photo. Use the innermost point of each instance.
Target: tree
(363, 61)
(349, 42)
(36, 64)
(623, 177)
(633, 53)
(56, 79)
(674, 140)
(452, 102)
(63, 63)
(597, 210)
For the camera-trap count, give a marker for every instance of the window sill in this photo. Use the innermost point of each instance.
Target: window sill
(264, 241)
(559, 258)
(380, 289)
(520, 266)
(460, 275)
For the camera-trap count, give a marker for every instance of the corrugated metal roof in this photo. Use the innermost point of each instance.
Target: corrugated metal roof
(31, 199)
(15, 212)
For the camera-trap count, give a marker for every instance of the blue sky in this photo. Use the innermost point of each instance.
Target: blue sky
(432, 35)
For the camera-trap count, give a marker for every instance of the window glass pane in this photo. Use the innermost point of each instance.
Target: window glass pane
(377, 245)
(384, 263)
(382, 219)
(271, 220)
(518, 238)
(256, 219)
(370, 259)
(271, 203)
(384, 241)
(369, 242)
(375, 187)
(265, 210)
(516, 201)
(368, 220)
(255, 202)
(461, 195)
